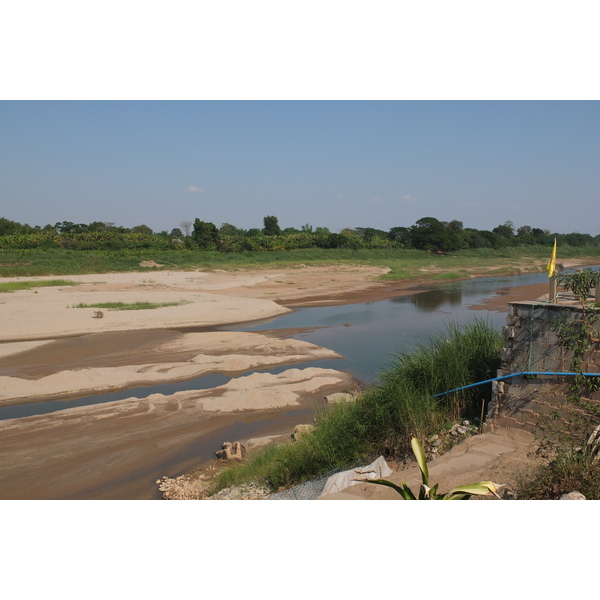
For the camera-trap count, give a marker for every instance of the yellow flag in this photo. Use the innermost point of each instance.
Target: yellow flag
(552, 264)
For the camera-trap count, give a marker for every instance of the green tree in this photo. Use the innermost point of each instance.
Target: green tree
(400, 236)
(271, 226)
(507, 231)
(228, 229)
(142, 229)
(430, 234)
(205, 234)
(8, 227)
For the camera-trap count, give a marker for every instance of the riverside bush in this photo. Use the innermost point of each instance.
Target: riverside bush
(568, 471)
(384, 416)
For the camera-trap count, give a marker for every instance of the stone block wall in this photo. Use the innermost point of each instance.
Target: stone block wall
(531, 344)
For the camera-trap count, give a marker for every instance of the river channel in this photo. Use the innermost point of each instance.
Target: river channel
(367, 335)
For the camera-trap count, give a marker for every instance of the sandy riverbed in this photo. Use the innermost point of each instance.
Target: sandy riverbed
(49, 348)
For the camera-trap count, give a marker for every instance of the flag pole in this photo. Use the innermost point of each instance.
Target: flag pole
(552, 295)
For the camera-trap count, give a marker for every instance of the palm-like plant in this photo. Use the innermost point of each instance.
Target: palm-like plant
(460, 492)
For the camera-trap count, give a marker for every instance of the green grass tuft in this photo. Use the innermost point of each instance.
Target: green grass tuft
(451, 276)
(13, 286)
(128, 306)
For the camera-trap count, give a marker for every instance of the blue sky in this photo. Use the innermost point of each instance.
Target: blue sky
(326, 163)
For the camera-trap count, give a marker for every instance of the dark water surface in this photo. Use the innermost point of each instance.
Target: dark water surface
(369, 334)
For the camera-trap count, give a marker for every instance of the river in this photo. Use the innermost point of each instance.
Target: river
(368, 335)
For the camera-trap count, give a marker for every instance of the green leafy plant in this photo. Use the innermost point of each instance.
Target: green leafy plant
(460, 492)
(580, 283)
(579, 334)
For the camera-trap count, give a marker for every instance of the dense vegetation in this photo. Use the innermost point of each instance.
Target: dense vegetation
(383, 417)
(426, 234)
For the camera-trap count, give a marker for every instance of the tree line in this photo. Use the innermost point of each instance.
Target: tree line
(427, 233)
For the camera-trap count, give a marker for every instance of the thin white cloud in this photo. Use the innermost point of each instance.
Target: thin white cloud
(407, 198)
(375, 199)
(193, 189)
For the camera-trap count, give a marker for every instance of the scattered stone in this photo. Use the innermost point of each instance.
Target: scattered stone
(340, 397)
(301, 429)
(573, 496)
(184, 487)
(230, 451)
(98, 314)
(246, 491)
(439, 443)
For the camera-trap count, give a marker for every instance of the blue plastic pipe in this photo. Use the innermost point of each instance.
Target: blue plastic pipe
(536, 373)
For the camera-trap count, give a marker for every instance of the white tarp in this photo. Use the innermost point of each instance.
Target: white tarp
(340, 481)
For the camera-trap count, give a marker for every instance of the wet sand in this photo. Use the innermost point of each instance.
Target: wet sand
(119, 455)
(524, 293)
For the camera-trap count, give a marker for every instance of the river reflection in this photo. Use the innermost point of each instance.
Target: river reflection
(433, 300)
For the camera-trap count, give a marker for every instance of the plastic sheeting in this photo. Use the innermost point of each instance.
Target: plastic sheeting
(340, 481)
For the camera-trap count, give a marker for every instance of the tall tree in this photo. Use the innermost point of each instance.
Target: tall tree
(271, 226)
(205, 234)
(507, 230)
(142, 229)
(429, 234)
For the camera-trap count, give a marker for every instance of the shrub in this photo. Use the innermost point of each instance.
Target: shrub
(568, 471)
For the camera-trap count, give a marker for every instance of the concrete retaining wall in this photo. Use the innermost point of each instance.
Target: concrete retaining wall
(531, 344)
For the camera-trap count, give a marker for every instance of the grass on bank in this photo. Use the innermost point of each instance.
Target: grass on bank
(382, 419)
(128, 305)
(403, 264)
(13, 286)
